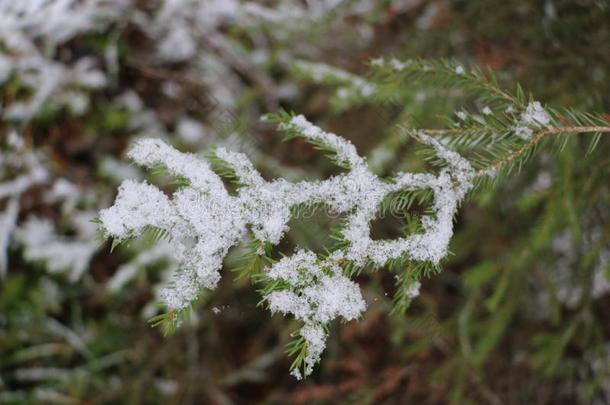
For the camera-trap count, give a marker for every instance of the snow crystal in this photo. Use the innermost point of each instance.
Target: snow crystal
(153, 152)
(296, 373)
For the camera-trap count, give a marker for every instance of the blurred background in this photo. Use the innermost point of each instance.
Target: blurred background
(520, 313)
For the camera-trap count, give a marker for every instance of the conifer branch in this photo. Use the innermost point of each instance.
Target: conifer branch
(202, 220)
(538, 137)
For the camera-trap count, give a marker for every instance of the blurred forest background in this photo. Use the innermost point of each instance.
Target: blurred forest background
(519, 314)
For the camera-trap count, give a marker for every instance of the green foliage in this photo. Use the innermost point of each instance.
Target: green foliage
(170, 321)
(256, 256)
(447, 74)
(405, 278)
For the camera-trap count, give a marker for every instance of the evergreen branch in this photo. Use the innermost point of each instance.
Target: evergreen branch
(537, 138)
(448, 73)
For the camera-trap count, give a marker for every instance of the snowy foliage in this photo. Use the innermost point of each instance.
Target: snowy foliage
(20, 170)
(233, 58)
(59, 254)
(31, 31)
(315, 292)
(39, 237)
(203, 221)
(350, 87)
(37, 57)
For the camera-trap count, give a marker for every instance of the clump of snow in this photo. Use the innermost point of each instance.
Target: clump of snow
(203, 220)
(413, 290)
(137, 205)
(523, 132)
(317, 293)
(534, 117)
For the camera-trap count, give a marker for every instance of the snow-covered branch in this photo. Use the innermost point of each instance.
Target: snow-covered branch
(203, 221)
